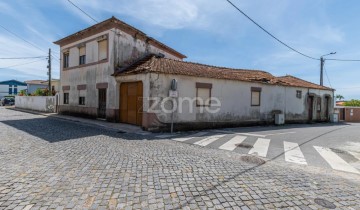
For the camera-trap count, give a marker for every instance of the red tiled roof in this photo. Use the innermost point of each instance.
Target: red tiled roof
(155, 64)
(297, 82)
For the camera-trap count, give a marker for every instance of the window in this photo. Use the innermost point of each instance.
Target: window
(298, 94)
(82, 58)
(66, 60)
(102, 46)
(15, 89)
(81, 100)
(255, 96)
(203, 94)
(10, 89)
(66, 98)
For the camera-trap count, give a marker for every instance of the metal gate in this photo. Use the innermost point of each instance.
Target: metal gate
(102, 103)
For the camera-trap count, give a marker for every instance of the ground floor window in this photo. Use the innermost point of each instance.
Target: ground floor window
(66, 98)
(255, 96)
(203, 94)
(81, 100)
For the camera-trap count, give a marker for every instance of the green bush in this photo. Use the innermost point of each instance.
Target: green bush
(352, 103)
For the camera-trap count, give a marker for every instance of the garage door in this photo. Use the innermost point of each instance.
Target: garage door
(131, 103)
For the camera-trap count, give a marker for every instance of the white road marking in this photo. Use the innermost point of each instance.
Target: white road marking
(209, 140)
(335, 161)
(190, 137)
(232, 143)
(246, 134)
(260, 148)
(165, 135)
(293, 153)
(273, 134)
(355, 154)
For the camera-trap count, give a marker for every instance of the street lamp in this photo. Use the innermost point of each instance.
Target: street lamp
(322, 62)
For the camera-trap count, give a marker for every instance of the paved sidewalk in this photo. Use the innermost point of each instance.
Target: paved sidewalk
(96, 122)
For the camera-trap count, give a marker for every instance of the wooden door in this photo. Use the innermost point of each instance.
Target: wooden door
(310, 107)
(131, 94)
(102, 104)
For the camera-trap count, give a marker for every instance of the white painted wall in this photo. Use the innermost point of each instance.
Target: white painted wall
(37, 103)
(123, 50)
(235, 99)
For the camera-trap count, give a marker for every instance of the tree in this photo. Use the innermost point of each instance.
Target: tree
(353, 102)
(339, 97)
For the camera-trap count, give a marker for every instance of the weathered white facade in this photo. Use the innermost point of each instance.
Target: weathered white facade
(114, 71)
(235, 102)
(124, 45)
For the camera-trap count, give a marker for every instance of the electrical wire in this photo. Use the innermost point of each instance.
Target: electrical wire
(335, 59)
(82, 11)
(270, 34)
(22, 64)
(21, 38)
(327, 77)
(19, 58)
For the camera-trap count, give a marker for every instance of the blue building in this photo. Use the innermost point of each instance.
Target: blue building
(11, 87)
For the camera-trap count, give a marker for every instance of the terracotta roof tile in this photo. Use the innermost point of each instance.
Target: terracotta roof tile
(155, 64)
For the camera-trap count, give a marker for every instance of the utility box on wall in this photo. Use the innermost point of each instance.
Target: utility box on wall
(334, 118)
(279, 119)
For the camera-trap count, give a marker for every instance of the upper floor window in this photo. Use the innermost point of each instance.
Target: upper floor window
(66, 59)
(255, 96)
(82, 55)
(103, 49)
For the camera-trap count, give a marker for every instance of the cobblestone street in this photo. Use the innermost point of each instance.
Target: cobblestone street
(49, 163)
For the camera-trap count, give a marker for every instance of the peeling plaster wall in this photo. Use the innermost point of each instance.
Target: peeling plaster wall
(235, 97)
(123, 49)
(37, 103)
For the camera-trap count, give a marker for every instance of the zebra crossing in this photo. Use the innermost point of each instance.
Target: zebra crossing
(292, 151)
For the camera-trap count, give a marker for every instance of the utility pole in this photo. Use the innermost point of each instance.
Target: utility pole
(49, 73)
(322, 61)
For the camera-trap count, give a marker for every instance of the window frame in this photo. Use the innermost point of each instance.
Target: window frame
(200, 85)
(257, 90)
(66, 98)
(82, 57)
(82, 102)
(299, 94)
(66, 61)
(106, 50)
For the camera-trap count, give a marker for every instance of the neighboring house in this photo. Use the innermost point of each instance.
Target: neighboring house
(340, 103)
(55, 85)
(33, 85)
(348, 113)
(11, 87)
(114, 71)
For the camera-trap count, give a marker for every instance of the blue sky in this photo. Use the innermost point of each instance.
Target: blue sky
(209, 32)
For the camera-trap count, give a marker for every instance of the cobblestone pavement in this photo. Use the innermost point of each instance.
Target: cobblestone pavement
(48, 163)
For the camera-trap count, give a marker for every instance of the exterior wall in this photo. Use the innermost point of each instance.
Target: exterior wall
(123, 49)
(352, 114)
(37, 103)
(31, 88)
(235, 98)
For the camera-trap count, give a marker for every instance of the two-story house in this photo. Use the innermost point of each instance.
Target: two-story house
(89, 58)
(116, 72)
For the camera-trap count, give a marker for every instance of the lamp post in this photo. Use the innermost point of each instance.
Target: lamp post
(322, 62)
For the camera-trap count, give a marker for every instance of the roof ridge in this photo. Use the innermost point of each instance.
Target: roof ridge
(219, 67)
(304, 81)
